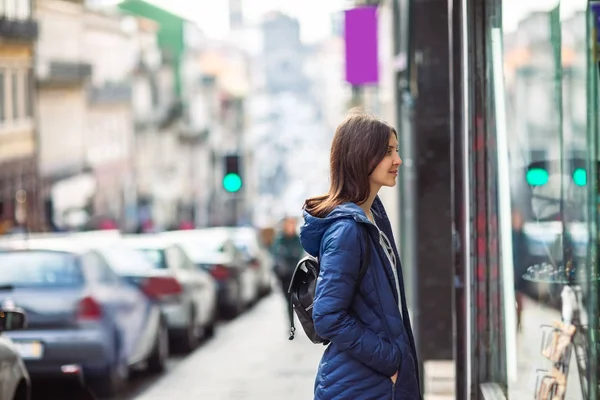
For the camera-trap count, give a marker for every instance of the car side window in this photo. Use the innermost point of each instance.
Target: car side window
(98, 270)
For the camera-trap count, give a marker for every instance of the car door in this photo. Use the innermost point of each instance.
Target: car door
(246, 275)
(118, 298)
(176, 262)
(205, 288)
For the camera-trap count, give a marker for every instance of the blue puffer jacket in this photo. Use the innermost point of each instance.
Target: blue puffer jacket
(370, 340)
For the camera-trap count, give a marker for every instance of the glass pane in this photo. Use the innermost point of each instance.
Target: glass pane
(39, 269)
(10, 8)
(24, 10)
(15, 95)
(546, 91)
(155, 256)
(2, 96)
(29, 93)
(126, 261)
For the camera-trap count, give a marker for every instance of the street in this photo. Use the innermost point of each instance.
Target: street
(249, 358)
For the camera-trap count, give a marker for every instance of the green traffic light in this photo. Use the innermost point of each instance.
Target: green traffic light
(580, 177)
(537, 177)
(232, 182)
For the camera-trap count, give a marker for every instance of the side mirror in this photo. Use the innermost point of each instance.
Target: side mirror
(11, 320)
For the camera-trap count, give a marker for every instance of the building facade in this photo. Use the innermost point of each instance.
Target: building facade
(19, 180)
(111, 49)
(62, 73)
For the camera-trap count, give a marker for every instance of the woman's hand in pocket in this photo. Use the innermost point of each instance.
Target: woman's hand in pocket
(394, 377)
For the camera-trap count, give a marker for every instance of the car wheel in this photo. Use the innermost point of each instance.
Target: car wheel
(113, 380)
(190, 335)
(267, 289)
(209, 330)
(239, 305)
(23, 391)
(158, 358)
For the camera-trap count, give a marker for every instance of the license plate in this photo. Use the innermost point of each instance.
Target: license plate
(30, 350)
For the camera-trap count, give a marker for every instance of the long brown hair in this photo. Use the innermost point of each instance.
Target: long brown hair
(359, 144)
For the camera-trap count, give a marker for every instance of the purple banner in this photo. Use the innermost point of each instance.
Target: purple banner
(360, 34)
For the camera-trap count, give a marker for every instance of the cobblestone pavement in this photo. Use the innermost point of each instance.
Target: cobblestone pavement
(250, 358)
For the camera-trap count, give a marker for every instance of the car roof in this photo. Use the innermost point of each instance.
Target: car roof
(197, 234)
(146, 241)
(76, 243)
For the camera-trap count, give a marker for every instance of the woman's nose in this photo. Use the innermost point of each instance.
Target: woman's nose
(398, 161)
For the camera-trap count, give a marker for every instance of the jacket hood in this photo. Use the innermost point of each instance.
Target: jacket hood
(314, 228)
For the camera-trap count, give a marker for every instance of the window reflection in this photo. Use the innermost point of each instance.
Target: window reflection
(551, 141)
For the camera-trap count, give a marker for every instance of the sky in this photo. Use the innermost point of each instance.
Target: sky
(314, 15)
(212, 16)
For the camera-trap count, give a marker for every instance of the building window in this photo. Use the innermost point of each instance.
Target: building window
(10, 8)
(16, 95)
(2, 96)
(23, 9)
(16, 9)
(14, 85)
(29, 93)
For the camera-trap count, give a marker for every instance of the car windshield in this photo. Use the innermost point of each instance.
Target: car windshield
(126, 261)
(39, 269)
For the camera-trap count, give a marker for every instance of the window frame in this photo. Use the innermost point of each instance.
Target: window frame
(21, 117)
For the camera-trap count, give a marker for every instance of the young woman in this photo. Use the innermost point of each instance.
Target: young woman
(372, 351)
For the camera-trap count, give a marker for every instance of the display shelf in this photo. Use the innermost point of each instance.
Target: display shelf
(548, 273)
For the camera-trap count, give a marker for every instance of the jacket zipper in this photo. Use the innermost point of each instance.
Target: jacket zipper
(393, 391)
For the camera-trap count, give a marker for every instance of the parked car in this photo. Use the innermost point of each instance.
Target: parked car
(215, 252)
(14, 378)
(85, 322)
(256, 256)
(192, 311)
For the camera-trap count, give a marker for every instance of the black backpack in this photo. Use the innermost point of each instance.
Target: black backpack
(302, 292)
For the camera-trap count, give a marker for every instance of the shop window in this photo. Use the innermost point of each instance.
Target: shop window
(547, 304)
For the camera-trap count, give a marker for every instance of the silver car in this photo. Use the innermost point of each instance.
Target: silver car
(192, 314)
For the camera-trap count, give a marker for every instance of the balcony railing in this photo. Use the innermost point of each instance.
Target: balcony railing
(63, 72)
(16, 29)
(110, 93)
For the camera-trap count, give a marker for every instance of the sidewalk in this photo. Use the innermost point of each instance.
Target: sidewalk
(250, 358)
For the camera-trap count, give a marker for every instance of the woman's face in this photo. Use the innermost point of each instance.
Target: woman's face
(386, 172)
